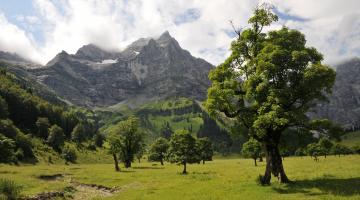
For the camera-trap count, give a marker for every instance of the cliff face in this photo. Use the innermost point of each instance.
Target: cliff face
(148, 69)
(344, 102)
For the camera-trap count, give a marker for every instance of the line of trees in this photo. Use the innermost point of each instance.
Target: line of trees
(323, 147)
(127, 143)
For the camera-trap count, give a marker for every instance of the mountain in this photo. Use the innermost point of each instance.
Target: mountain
(148, 69)
(15, 59)
(344, 102)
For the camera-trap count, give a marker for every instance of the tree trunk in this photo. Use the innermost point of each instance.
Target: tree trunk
(116, 163)
(127, 163)
(161, 161)
(273, 165)
(260, 159)
(255, 161)
(184, 171)
(203, 162)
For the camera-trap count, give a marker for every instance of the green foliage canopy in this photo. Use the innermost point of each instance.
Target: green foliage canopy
(269, 83)
(158, 150)
(183, 149)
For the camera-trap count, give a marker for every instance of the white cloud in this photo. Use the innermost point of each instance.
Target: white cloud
(15, 40)
(332, 26)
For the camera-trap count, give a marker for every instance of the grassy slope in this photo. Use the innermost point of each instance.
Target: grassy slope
(331, 178)
(351, 139)
(176, 121)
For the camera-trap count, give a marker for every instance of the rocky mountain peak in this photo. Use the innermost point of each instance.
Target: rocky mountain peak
(93, 53)
(60, 57)
(148, 69)
(166, 39)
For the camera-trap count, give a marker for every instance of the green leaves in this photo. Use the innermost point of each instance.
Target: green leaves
(158, 149)
(183, 148)
(271, 80)
(125, 139)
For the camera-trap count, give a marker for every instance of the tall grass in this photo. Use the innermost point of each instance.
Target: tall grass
(9, 190)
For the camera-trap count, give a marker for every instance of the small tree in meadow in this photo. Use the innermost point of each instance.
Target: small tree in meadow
(183, 149)
(339, 149)
(115, 144)
(205, 149)
(314, 150)
(158, 150)
(300, 152)
(141, 152)
(126, 140)
(325, 145)
(252, 149)
(56, 137)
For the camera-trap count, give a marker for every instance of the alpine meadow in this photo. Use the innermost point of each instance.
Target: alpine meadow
(255, 100)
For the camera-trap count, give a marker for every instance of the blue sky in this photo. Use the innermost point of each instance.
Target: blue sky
(39, 29)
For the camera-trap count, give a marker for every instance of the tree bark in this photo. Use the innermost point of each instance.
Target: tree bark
(260, 159)
(273, 165)
(161, 161)
(255, 161)
(203, 162)
(184, 171)
(117, 168)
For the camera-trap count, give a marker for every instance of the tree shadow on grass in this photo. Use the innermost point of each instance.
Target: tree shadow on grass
(148, 167)
(334, 186)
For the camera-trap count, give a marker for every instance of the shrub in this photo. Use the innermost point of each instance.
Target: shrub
(91, 147)
(99, 139)
(339, 149)
(300, 152)
(9, 189)
(356, 149)
(56, 137)
(78, 133)
(7, 147)
(25, 144)
(69, 154)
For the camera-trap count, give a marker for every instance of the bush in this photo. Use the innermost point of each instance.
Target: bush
(7, 147)
(356, 149)
(339, 149)
(9, 189)
(69, 154)
(56, 137)
(99, 139)
(91, 147)
(300, 152)
(25, 144)
(78, 133)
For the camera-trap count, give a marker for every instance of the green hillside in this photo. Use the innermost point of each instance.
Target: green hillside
(162, 118)
(351, 139)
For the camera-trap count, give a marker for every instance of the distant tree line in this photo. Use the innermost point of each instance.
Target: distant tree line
(127, 143)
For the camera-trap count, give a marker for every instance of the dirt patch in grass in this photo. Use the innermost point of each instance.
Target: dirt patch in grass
(51, 177)
(46, 196)
(89, 191)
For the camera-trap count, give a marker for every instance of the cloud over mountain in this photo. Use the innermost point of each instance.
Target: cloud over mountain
(200, 26)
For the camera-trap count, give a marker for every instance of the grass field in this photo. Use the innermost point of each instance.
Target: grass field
(331, 178)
